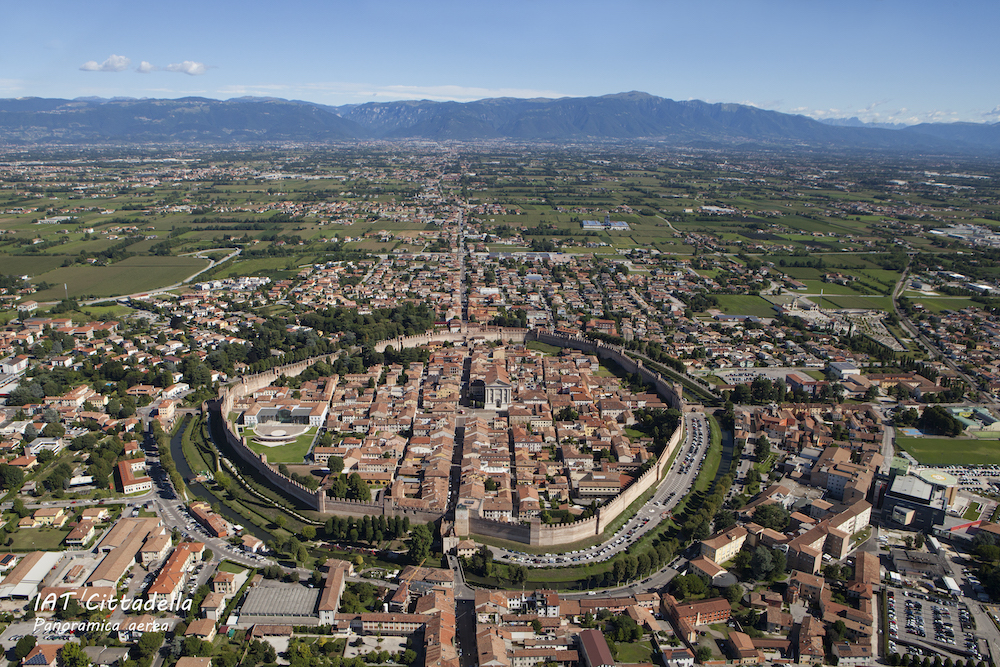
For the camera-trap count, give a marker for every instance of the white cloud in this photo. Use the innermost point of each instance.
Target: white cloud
(112, 64)
(187, 67)
(11, 86)
(345, 91)
(145, 67)
(993, 115)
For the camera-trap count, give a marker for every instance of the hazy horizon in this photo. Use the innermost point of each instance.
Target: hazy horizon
(885, 62)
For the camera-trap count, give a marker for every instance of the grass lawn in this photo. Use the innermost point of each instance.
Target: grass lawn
(229, 566)
(745, 304)
(856, 302)
(950, 451)
(973, 512)
(543, 347)
(937, 305)
(713, 457)
(292, 453)
(861, 536)
(638, 652)
(604, 371)
(39, 539)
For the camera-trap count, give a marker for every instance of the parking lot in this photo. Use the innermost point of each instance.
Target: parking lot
(973, 477)
(933, 620)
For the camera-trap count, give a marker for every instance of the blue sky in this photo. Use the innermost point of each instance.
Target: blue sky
(880, 60)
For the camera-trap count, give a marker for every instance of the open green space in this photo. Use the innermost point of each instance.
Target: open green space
(30, 265)
(131, 275)
(294, 452)
(882, 303)
(820, 287)
(635, 652)
(973, 511)
(229, 566)
(745, 304)
(941, 304)
(545, 348)
(275, 267)
(950, 451)
(45, 538)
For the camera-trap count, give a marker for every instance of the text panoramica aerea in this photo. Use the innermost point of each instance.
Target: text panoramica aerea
(95, 602)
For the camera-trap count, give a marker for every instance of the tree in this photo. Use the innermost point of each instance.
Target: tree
(207, 555)
(420, 544)
(11, 477)
(741, 562)
(194, 647)
(148, 644)
(260, 652)
(536, 626)
(24, 646)
(761, 562)
(937, 420)
(622, 629)
(703, 654)
(19, 509)
(72, 655)
(618, 569)
(780, 564)
(724, 519)
(763, 448)
(918, 540)
(358, 488)
(54, 430)
(772, 516)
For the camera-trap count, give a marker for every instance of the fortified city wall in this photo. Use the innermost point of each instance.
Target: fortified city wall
(534, 533)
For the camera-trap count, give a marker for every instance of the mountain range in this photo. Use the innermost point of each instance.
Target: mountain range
(632, 116)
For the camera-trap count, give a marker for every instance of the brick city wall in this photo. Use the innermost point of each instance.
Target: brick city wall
(536, 533)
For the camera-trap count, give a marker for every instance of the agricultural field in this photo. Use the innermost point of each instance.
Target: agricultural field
(941, 304)
(745, 304)
(134, 274)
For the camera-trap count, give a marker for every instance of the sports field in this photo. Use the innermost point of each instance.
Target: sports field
(951, 451)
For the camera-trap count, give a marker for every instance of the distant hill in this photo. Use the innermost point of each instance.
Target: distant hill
(189, 120)
(624, 116)
(854, 121)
